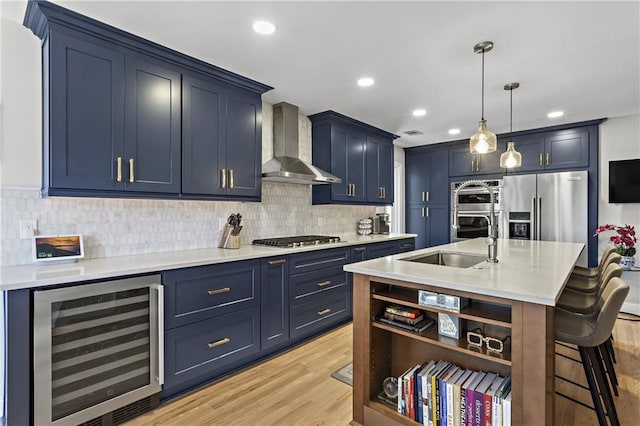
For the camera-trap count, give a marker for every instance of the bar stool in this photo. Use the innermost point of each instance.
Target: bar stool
(581, 272)
(590, 285)
(585, 303)
(588, 333)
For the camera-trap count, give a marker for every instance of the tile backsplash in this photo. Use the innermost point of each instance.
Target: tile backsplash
(116, 227)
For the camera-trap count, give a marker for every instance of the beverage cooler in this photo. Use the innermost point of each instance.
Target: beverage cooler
(97, 348)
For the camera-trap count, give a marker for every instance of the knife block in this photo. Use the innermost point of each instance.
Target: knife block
(227, 240)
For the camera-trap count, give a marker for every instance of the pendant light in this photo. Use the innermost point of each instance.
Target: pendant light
(510, 158)
(483, 141)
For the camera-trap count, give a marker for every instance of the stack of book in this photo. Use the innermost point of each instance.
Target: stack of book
(440, 393)
(406, 318)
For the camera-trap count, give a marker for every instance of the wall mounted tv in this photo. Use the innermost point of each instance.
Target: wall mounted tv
(624, 181)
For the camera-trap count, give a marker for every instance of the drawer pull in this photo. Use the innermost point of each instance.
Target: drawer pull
(324, 311)
(219, 343)
(219, 291)
(277, 262)
(359, 249)
(324, 283)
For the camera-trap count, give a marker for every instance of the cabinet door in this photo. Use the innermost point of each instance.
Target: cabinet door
(416, 176)
(86, 106)
(461, 162)
(417, 224)
(347, 162)
(152, 127)
(379, 173)
(439, 224)
(566, 149)
(274, 304)
(203, 146)
(438, 177)
(244, 144)
(358, 254)
(531, 148)
(490, 163)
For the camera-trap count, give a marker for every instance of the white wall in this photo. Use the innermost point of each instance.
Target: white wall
(620, 140)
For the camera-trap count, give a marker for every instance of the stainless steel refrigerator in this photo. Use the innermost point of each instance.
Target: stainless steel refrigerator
(547, 207)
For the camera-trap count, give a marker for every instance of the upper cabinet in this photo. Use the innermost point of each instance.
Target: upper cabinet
(560, 149)
(221, 143)
(462, 162)
(125, 117)
(357, 153)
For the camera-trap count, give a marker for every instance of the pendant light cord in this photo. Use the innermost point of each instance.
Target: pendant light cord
(483, 83)
(511, 111)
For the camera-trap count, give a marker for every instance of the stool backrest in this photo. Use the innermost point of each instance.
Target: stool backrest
(605, 256)
(613, 270)
(612, 299)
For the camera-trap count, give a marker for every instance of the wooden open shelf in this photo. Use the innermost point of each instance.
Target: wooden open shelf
(480, 311)
(431, 336)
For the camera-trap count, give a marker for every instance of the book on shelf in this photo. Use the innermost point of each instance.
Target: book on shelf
(409, 391)
(417, 328)
(403, 311)
(458, 397)
(422, 391)
(450, 400)
(506, 410)
(498, 397)
(400, 318)
(401, 391)
(478, 399)
(470, 393)
(431, 391)
(437, 390)
(463, 397)
(382, 396)
(489, 396)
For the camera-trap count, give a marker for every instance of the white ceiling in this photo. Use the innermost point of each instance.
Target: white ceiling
(580, 57)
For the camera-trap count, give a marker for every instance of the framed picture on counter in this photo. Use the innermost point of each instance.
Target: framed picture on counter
(47, 248)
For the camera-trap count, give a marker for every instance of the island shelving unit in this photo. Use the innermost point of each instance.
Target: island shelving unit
(381, 350)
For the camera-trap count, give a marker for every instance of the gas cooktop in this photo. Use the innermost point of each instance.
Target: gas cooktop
(297, 241)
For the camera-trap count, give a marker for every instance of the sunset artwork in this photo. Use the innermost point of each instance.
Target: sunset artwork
(58, 247)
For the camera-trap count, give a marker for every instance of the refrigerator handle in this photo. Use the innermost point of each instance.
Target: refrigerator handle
(534, 219)
(539, 218)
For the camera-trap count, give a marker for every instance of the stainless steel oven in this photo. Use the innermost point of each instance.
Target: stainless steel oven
(97, 348)
(474, 204)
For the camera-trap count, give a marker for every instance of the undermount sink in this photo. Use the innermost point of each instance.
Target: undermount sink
(452, 259)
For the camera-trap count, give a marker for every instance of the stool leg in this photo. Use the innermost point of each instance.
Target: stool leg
(598, 371)
(611, 372)
(593, 388)
(609, 346)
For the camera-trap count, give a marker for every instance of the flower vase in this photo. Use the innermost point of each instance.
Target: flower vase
(627, 262)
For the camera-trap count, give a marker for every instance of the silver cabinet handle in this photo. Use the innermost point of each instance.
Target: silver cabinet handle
(119, 161)
(472, 161)
(548, 158)
(223, 175)
(218, 343)
(230, 178)
(277, 262)
(427, 211)
(218, 291)
(131, 173)
(427, 197)
(422, 196)
(422, 211)
(477, 164)
(540, 159)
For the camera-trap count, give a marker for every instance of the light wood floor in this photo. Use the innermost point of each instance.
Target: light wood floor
(296, 388)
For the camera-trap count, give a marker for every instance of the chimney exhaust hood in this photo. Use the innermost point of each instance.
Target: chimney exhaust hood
(286, 166)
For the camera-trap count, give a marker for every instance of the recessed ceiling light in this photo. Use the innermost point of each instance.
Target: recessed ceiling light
(264, 27)
(365, 82)
(419, 112)
(555, 114)
(454, 131)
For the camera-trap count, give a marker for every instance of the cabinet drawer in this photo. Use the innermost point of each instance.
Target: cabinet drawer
(311, 317)
(320, 259)
(305, 286)
(195, 294)
(381, 250)
(209, 348)
(406, 245)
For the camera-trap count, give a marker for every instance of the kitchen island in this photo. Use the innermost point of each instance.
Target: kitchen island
(514, 297)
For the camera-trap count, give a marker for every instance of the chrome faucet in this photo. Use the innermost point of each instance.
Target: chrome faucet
(492, 238)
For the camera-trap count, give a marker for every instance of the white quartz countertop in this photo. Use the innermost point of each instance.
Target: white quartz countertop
(528, 271)
(28, 276)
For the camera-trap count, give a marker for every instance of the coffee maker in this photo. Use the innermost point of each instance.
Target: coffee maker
(381, 223)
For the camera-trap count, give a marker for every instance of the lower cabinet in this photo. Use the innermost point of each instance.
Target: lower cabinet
(274, 302)
(207, 348)
(430, 223)
(222, 317)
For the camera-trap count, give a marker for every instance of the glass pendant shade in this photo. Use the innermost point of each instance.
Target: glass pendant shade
(510, 158)
(483, 141)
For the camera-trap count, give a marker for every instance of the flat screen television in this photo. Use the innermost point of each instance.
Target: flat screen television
(624, 181)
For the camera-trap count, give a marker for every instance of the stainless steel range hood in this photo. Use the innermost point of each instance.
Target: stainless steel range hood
(286, 166)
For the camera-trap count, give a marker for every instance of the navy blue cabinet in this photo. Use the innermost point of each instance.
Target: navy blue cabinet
(427, 188)
(221, 140)
(113, 116)
(462, 162)
(359, 154)
(152, 126)
(274, 304)
(85, 104)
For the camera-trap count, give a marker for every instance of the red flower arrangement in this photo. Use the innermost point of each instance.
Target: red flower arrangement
(624, 240)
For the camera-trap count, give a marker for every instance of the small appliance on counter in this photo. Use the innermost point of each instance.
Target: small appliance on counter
(230, 236)
(381, 223)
